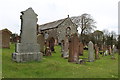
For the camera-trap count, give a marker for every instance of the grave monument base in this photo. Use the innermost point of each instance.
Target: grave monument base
(91, 60)
(24, 57)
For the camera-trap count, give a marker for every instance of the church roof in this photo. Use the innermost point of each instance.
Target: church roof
(51, 25)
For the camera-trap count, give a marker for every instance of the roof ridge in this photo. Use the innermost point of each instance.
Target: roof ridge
(52, 21)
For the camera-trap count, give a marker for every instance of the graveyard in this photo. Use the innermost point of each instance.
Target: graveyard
(56, 67)
(57, 50)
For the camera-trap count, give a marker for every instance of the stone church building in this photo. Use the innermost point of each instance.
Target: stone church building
(58, 29)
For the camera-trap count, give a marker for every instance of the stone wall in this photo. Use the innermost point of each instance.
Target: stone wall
(51, 32)
(61, 31)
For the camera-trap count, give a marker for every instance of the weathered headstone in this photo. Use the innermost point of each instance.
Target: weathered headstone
(81, 49)
(66, 48)
(28, 49)
(105, 50)
(96, 52)
(109, 50)
(62, 48)
(114, 48)
(90, 52)
(106, 53)
(41, 42)
(73, 48)
(113, 52)
(101, 50)
(51, 44)
(47, 49)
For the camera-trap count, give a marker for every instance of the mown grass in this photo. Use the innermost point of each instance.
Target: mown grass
(56, 67)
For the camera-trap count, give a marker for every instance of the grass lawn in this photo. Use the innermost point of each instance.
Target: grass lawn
(56, 67)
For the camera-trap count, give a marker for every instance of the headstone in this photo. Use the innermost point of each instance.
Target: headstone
(62, 48)
(41, 42)
(105, 50)
(109, 50)
(81, 49)
(113, 52)
(66, 48)
(47, 49)
(101, 50)
(90, 52)
(106, 53)
(28, 49)
(51, 44)
(96, 52)
(114, 48)
(73, 48)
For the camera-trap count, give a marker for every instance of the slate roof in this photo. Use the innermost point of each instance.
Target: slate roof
(52, 25)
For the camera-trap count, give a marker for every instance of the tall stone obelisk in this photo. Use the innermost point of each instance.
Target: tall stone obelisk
(28, 48)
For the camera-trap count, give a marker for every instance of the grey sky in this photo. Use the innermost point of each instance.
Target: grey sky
(104, 12)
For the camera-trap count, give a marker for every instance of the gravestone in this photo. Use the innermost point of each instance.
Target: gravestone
(66, 48)
(51, 44)
(96, 52)
(90, 52)
(106, 53)
(41, 42)
(28, 49)
(105, 50)
(73, 48)
(81, 49)
(109, 50)
(113, 49)
(47, 49)
(62, 48)
(113, 52)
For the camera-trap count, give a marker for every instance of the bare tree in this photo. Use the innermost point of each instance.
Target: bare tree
(85, 22)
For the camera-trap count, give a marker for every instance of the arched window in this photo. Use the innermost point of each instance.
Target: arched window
(68, 31)
(46, 35)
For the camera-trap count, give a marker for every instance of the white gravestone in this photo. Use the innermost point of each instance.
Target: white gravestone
(113, 52)
(28, 48)
(90, 52)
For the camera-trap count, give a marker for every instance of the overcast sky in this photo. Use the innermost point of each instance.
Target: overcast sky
(104, 12)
